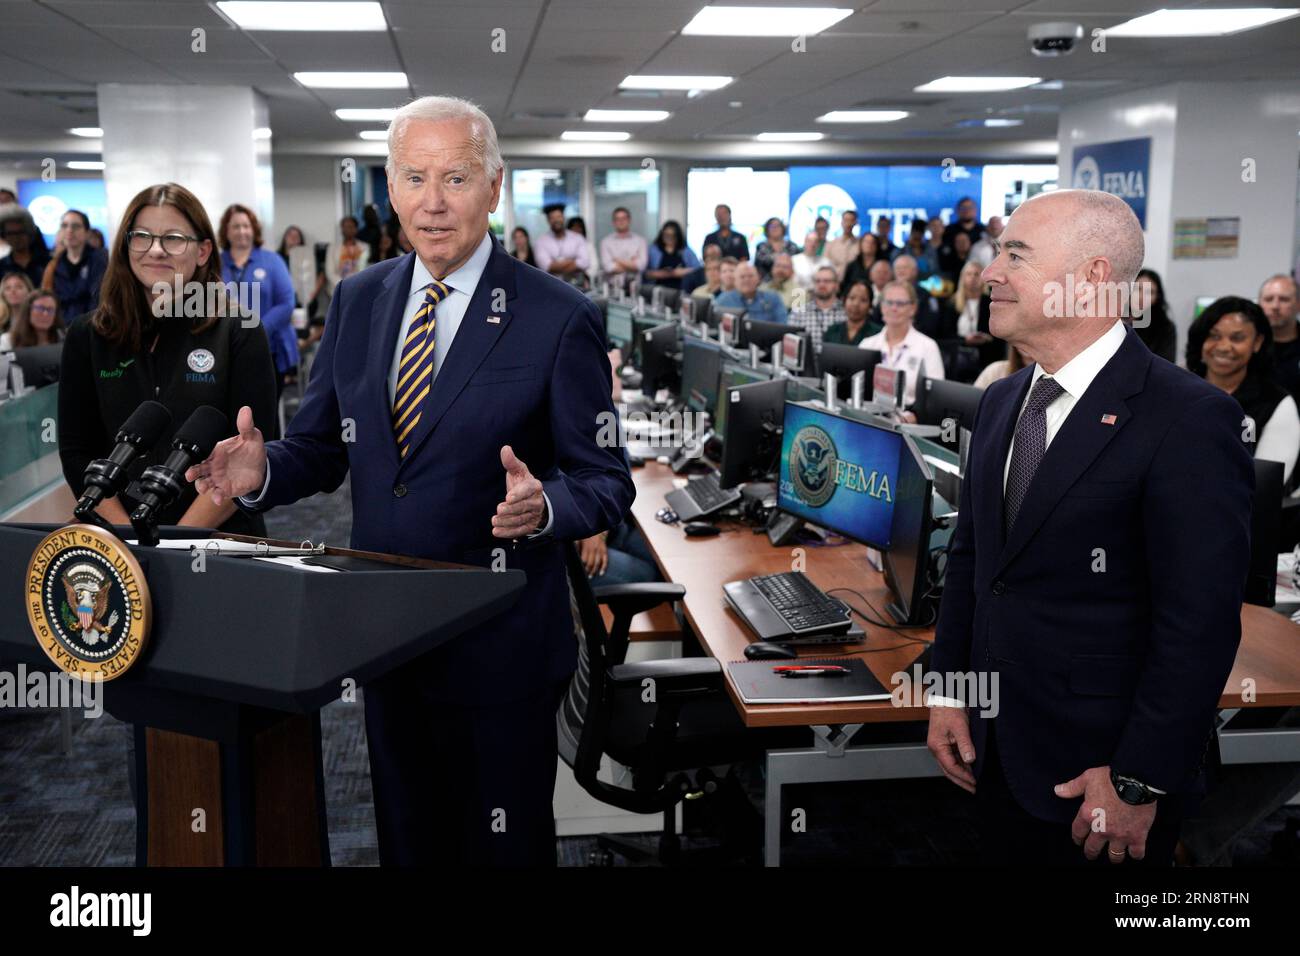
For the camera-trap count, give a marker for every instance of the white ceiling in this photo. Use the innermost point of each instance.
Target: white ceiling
(563, 57)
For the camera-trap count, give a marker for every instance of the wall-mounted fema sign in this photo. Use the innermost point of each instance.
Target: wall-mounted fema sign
(1119, 168)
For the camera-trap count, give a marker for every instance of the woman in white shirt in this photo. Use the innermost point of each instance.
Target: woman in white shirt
(900, 344)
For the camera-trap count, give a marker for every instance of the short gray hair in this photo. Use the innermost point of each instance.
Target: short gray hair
(483, 135)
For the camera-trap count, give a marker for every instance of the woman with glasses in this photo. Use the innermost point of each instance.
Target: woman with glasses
(77, 269)
(261, 285)
(901, 345)
(36, 322)
(164, 331)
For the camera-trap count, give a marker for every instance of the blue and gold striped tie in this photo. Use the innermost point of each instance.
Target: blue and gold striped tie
(415, 373)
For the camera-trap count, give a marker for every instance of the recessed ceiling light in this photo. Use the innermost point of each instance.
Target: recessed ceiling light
(625, 116)
(992, 123)
(763, 21)
(275, 15)
(262, 132)
(789, 137)
(863, 116)
(977, 84)
(657, 82)
(352, 81)
(373, 134)
(1050, 85)
(86, 164)
(367, 114)
(1199, 23)
(92, 132)
(595, 136)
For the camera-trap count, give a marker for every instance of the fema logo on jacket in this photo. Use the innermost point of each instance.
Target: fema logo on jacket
(201, 363)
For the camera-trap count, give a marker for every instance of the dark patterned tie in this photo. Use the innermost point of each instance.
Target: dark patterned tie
(1030, 445)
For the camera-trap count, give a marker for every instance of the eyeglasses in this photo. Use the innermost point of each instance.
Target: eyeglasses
(898, 303)
(72, 226)
(44, 309)
(173, 243)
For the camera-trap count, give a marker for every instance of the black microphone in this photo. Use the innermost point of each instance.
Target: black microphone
(106, 477)
(160, 485)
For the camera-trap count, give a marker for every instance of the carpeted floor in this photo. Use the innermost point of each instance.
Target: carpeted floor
(75, 809)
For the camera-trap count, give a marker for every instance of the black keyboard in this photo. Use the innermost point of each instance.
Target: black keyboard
(802, 605)
(701, 496)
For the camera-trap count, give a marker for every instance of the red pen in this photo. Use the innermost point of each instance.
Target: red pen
(809, 670)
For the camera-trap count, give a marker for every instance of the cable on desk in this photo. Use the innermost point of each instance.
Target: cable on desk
(879, 623)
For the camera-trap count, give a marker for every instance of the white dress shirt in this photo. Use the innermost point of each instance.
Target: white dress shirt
(447, 318)
(1074, 376)
(916, 355)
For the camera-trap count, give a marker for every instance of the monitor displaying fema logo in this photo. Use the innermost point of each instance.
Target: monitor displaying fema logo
(839, 473)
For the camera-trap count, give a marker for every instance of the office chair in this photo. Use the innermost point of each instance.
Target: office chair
(669, 721)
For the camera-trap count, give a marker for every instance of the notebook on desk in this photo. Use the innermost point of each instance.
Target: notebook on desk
(759, 683)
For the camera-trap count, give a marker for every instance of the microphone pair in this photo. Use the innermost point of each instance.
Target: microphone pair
(160, 484)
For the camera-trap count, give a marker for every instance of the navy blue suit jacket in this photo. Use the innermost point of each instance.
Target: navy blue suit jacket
(528, 369)
(1122, 666)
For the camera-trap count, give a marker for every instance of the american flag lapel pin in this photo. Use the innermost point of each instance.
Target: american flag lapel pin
(1108, 419)
(494, 320)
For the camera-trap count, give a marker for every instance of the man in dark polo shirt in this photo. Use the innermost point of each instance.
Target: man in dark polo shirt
(731, 243)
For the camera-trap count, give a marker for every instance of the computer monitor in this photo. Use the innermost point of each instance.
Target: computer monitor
(40, 364)
(753, 437)
(866, 482)
(888, 386)
(760, 333)
(696, 310)
(939, 401)
(907, 563)
(701, 369)
(844, 361)
(733, 375)
(618, 328)
(658, 345)
(728, 323)
(1265, 534)
(670, 298)
(795, 350)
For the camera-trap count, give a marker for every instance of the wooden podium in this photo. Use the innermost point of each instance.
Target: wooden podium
(225, 698)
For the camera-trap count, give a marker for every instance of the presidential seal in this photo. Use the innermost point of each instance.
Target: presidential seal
(812, 465)
(88, 602)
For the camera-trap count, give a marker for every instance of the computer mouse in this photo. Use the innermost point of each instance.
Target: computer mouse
(765, 651)
(701, 529)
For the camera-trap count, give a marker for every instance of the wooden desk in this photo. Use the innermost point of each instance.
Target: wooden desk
(1269, 653)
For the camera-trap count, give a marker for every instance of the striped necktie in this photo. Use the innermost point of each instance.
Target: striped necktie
(415, 373)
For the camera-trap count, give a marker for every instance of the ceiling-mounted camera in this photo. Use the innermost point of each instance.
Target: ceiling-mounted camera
(1054, 39)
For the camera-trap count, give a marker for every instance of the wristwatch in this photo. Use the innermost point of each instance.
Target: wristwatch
(1133, 792)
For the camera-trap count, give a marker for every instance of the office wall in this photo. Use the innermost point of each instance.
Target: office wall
(1200, 135)
(1220, 126)
(307, 195)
